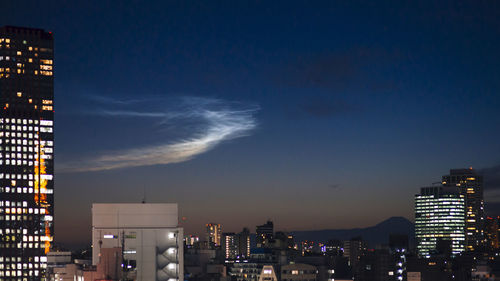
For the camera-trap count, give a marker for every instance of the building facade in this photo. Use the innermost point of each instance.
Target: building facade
(236, 245)
(268, 274)
(230, 245)
(147, 235)
(191, 240)
(353, 250)
(298, 272)
(26, 152)
(491, 231)
(214, 232)
(264, 234)
(439, 220)
(246, 271)
(244, 243)
(470, 185)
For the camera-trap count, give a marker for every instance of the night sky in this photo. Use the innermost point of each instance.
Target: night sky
(313, 114)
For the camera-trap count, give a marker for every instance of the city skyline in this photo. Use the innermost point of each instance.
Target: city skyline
(266, 113)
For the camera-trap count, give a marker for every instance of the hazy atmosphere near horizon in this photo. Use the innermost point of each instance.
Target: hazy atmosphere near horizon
(315, 114)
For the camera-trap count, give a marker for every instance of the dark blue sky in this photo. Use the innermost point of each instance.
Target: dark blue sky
(316, 114)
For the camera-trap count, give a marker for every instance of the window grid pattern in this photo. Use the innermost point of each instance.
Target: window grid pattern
(26, 153)
(439, 217)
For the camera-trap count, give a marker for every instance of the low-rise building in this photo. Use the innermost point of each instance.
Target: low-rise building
(145, 238)
(298, 272)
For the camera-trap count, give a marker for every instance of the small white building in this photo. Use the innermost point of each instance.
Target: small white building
(149, 236)
(268, 274)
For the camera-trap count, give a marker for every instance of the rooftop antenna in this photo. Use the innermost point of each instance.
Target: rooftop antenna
(124, 270)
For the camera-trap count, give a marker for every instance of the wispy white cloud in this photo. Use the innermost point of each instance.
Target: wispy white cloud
(122, 113)
(217, 121)
(114, 101)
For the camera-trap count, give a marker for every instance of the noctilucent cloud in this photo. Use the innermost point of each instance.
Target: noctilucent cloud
(209, 121)
(317, 115)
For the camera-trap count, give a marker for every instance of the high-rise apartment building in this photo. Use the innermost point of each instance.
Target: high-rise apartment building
(214, 232)
(244, 243)
(230, 244)
(236, 246)
(439, 220)
(26, 152)
(470, 185)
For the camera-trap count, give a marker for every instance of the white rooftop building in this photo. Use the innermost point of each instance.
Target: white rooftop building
(149, 237)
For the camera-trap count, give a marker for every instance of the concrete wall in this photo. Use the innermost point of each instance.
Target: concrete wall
(149, 234)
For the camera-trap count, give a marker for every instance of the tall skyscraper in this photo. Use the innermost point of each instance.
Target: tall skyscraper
(470, 185)
(26, 152)
(214, 232)
(439, 220)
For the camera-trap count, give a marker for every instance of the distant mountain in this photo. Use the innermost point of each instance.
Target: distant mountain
(374, 235)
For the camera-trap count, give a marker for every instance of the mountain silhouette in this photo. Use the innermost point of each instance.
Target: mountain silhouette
(374, 235)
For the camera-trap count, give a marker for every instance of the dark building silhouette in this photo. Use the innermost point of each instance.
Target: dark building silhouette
(398, 247)
(440, 268)
(398, 241)
(354, 249)
(491, 234)
(374, 265)
(264, 234)
(334, 247)
(26, 152)
(244, 243)
(470, 185)
(282, 240)
(325, 266)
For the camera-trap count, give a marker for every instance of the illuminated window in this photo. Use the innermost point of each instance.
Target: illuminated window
(46, 61)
